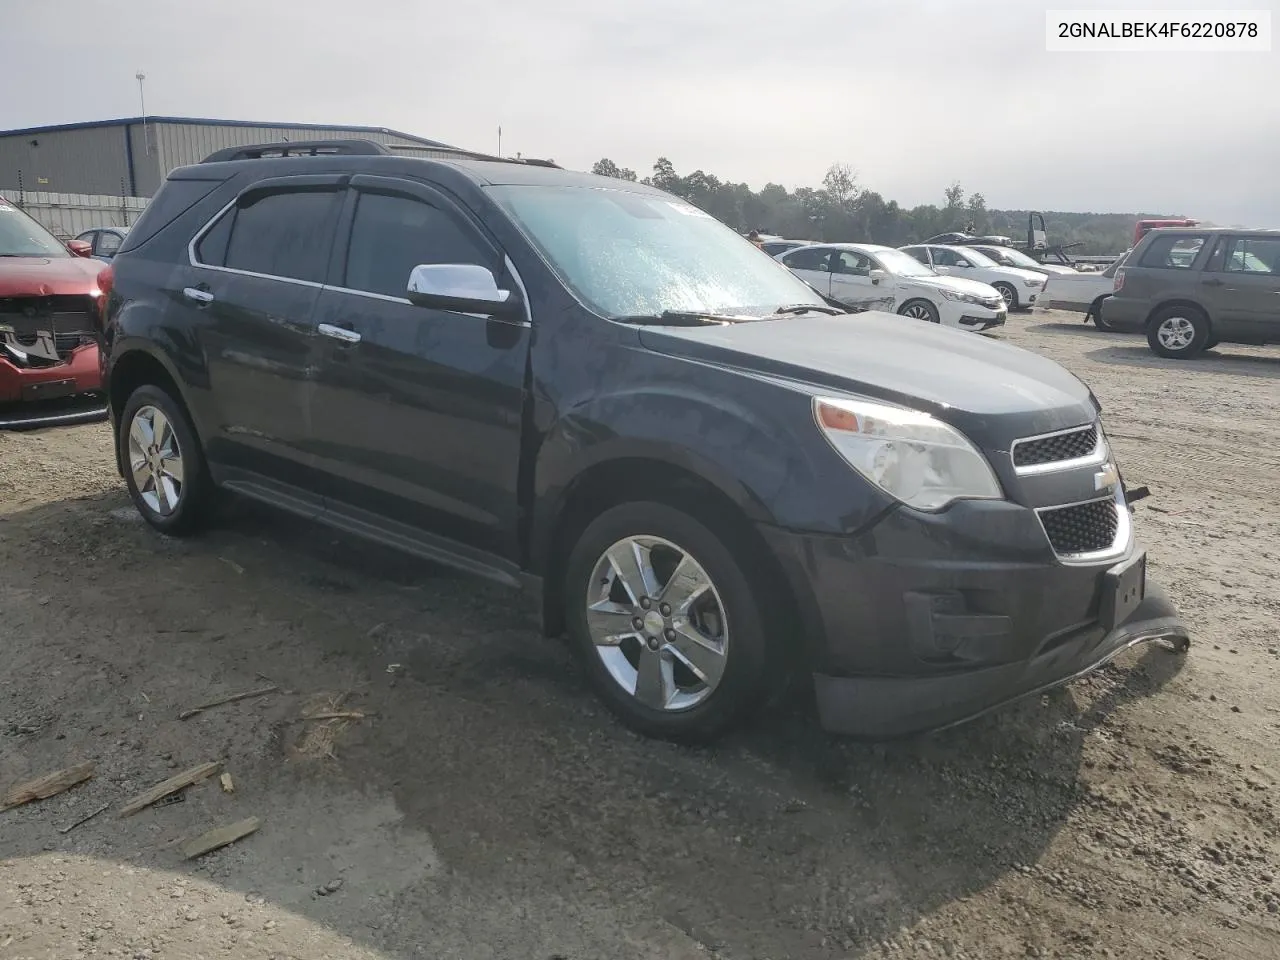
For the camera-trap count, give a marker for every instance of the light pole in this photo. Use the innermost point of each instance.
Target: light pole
(142, 97)
(499, 141)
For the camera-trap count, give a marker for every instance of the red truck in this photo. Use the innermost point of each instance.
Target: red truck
(1145, 226)
(49, 307)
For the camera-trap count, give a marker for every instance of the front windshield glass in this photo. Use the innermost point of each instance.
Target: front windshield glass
(20, 236)
(978, 259)
(631, 254)
(902, 264)
(1012, 258)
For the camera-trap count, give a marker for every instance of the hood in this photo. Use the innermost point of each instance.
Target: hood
(992, 391)
(48, 276)
(975, 288)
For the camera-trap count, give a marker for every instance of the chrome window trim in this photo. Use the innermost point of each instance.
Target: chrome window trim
(1120, 546)
(1097, 456)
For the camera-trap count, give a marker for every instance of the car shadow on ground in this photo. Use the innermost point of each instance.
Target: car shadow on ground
(779, 840)
(1216, 360)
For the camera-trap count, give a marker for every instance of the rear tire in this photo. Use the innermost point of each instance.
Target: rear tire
(1178, 332)
(1095, 314)
(164, 467)
(668, 623)
(920, 310)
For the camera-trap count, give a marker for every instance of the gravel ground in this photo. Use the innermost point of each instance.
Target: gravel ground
(487, 807)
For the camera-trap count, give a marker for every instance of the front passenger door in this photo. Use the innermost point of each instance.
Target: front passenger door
(417, 415)
(851, 282)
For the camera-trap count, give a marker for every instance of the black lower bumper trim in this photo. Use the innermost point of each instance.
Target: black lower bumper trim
(889, 707)
(36, 419)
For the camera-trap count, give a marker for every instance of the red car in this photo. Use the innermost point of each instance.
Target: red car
(49, 296)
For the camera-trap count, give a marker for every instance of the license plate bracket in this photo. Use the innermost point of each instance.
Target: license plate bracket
(48, 390)
(1124, 587)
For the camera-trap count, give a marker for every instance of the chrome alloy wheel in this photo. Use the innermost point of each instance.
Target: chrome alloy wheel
(917, 311)
(657, 623)
(1176, 333)
(155, 460)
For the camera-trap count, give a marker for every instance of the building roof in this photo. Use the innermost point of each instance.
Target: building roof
(203, 121)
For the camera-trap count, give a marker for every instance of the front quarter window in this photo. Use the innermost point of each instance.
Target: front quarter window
(625, 253)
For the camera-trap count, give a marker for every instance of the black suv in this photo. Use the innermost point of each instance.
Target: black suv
(709, 477)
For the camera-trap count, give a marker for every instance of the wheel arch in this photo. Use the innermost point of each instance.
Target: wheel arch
(1183, 302)
(134, 365)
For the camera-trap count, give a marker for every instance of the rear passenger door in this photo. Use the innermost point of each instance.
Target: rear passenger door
(812, 265)
(851, 277)
(256, 273)
(418, 411)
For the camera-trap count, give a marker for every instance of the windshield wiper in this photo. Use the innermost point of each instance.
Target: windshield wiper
(811, 308)
(681, 318)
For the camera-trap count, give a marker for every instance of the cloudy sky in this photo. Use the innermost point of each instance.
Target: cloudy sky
(912, 93)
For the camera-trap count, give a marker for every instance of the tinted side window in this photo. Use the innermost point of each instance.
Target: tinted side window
(285, 234)
(807, 259)
(854, 264)
(1253, 255)
(108, 243)
(919, 253)
(1176, 252)
(391, 235)
(212, 247)
(946, 258)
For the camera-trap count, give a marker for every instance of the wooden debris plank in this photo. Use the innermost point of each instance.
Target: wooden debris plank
(50, 785)
(219, 837)
(233, 698)
(175, 783)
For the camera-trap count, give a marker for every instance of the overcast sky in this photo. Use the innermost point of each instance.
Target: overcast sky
(912, 93)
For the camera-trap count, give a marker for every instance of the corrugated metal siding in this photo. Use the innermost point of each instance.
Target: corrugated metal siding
(182, 144)
(95, 160)
(68, 214)
(85, 161)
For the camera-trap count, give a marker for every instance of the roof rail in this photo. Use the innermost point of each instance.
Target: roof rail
(300, 148)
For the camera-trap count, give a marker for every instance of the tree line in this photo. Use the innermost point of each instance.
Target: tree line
(842, 210)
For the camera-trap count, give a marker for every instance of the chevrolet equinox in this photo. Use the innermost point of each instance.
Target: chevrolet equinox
(707, 475)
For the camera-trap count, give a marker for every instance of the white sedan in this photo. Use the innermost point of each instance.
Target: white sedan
(1018, 287)
(853, 273)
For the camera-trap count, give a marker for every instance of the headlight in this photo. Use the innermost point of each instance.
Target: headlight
(910, 455)
(1032, 283)
(950, 294)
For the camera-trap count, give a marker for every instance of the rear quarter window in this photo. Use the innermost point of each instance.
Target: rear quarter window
(175, 198)
(1175, 252)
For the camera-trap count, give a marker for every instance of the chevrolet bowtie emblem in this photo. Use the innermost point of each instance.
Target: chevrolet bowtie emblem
(1106, 478)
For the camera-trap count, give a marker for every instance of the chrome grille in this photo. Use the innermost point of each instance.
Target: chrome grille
(1056, 448)
(1081, 528)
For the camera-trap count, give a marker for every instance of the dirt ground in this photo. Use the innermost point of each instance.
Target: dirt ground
(486, 807)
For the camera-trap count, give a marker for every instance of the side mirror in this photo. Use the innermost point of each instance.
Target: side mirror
(877, 275)
(460, 287)
(80, 248)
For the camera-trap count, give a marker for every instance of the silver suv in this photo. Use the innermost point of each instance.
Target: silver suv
(1191, 288)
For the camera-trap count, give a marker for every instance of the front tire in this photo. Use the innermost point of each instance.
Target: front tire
(1178, 332)
(667, 622)
(164, 467)
(1010, 295)
(920, 310)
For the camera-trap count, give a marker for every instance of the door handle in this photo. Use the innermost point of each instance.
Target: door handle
(198, 295)
(339, 333)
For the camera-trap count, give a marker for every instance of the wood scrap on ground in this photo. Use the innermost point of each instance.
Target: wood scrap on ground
(228, 785)
(233, 698)
(83, 820)
(335, 715)
(208, 842)
(50, 785)
(175, 783)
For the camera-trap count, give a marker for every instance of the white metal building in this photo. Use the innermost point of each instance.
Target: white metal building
(131, 157)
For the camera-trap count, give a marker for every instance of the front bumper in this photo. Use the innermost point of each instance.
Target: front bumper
(59, 393)
(928, 621)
